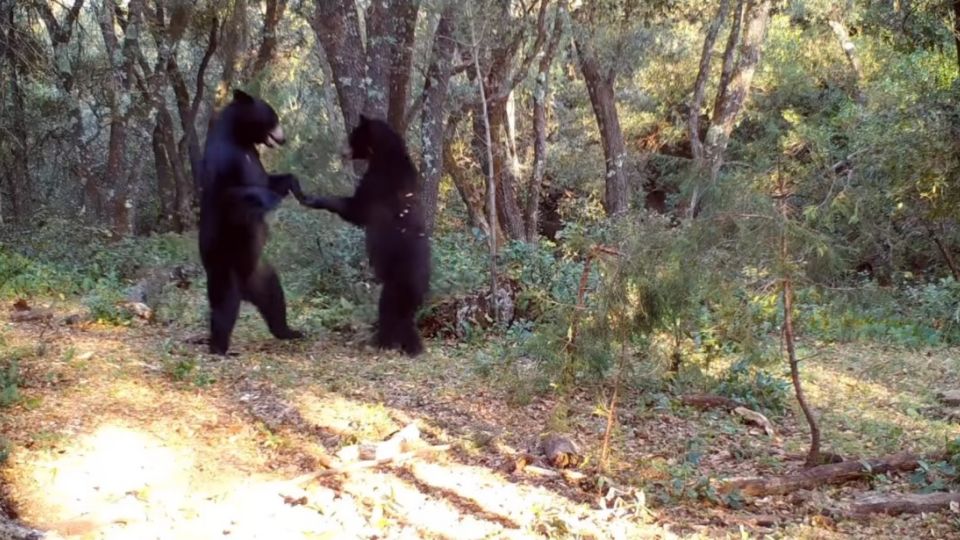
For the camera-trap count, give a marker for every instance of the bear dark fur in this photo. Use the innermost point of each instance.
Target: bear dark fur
(236, 195)
(387, 205)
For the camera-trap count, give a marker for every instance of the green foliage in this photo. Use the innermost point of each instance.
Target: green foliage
(9, 382)
(686, 482)
(756, 388)
(942, 475)
(916, 315)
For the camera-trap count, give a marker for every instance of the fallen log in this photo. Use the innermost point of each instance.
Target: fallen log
(895, 504)
(834, 473)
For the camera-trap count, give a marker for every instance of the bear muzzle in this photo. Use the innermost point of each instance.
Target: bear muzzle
(275, 138)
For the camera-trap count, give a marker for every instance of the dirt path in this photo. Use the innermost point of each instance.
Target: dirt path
(107, 443)
(134, 433)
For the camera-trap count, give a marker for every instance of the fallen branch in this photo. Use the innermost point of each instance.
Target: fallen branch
(895, 504)
(834, 473)
(755, 418)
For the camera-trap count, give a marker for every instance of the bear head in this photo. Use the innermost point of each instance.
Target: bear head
(371, 138)
(251, 121)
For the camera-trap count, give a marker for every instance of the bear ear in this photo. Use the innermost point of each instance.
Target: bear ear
(241, 96)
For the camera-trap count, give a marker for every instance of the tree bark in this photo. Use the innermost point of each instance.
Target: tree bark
(188, 111)
(541, 95)
(491, 181)
(850, 50)
(19, 177)
(370, 76)
(733, 90)
(896, 504)
(404, 33)
(600, 86)
(337, 27)
(703, 76)
(470, 193)
(814, 477)
(434, 112)
(956, 29)
(123, 59)
(509, 213)
(268, 41)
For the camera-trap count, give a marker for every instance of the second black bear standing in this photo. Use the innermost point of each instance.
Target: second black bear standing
(387, 205)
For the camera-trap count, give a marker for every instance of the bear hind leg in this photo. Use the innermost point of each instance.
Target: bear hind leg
(264, 291)
(224, 297)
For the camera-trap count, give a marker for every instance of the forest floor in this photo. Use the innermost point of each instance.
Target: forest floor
(132, 432)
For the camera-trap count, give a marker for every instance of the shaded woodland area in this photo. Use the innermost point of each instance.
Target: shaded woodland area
(694, 271)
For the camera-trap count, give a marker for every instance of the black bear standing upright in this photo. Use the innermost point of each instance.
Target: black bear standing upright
(236, 195)
(387, 205)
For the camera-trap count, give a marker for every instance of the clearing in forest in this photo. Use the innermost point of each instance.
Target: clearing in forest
(131, 432)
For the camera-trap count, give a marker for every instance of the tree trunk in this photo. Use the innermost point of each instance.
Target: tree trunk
(541, 96)
(491, 177)
(813, 456)
(956, 29)
(166, 183)
(188, 110)
(616, 196)
(703, 76)
(378, 21)
(404, 32)
(118, 89)
(337, 27)
(470, 193)
(509, 213)
(268, 41)
(181, 194)
(849, 49)
(19, 177)
(733, 90)
(433, 114)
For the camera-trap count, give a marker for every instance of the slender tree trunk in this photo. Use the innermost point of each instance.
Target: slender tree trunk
(188, 110)
(19, 179)
(603, 99)
(703, 76)
(491, 177)
(541, 96)
(733, 90)
(509, 213)
(166, 184)
(470, 193)
(850, 50)
(956, 29)
(813, 456)
(119, 85)
(434, 110)
(404, 33)
(268, 42)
